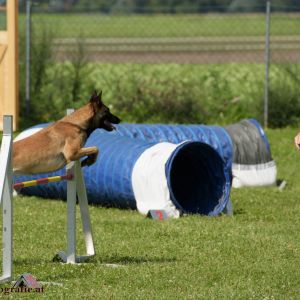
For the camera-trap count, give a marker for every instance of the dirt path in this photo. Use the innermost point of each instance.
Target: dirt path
(180, 50)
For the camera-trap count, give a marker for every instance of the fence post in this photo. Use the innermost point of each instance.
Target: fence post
(28, 55)
(9, 67)
(267, 64)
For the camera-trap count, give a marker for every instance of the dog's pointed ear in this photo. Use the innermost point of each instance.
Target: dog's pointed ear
(100, 95)
(96, 98)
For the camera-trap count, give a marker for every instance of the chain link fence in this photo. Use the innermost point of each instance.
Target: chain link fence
(211, 50)
(149, 37)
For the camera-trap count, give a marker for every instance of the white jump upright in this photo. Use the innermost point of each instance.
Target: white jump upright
(75, 190)
(6, 198)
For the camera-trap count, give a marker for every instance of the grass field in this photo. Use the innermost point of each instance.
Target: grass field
(160, 25)
(198, 38)
(253, 255)
(188, 25)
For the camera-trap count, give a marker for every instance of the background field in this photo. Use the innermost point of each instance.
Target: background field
(205, 25)
(183, 38)
(194, 68)
(253, 255)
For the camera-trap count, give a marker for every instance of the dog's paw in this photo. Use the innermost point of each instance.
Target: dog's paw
(89, 160)
(84, 163)
(89, 163)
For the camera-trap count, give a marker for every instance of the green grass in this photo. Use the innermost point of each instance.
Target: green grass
(161, 25)
(253, 255)
(182, 25)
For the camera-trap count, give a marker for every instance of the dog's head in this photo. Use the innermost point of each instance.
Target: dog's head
(102, 118)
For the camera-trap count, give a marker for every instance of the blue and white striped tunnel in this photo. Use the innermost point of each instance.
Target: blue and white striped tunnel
(189, 177)
(243, 146)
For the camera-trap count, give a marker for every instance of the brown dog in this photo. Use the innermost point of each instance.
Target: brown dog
(60, 143)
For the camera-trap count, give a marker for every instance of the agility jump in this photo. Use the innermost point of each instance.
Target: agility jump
(75, 190)
(25, 184)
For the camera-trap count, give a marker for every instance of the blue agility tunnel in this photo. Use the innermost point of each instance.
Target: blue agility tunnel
(243, 146)
(215, 136)
(188, 177)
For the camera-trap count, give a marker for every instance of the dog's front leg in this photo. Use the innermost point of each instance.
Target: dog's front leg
(91, 158)
(72, 154)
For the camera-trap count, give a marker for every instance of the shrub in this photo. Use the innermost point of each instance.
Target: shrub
(41, 51)
(284, 106)
(54, 87)
(171, 93)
